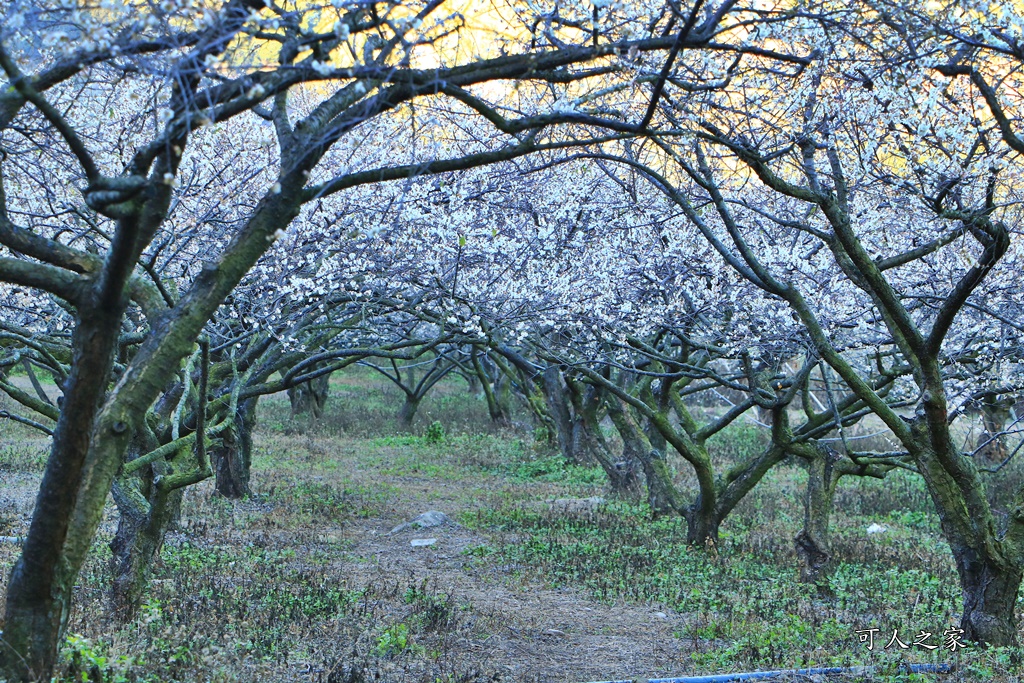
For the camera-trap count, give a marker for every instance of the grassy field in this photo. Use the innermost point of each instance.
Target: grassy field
(535, 580)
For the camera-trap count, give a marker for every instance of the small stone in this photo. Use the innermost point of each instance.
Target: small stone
(661, 615)
(876, 528)
(420, 542)
(430, 518)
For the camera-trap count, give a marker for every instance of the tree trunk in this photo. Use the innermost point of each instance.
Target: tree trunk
(657, 439)
(232, 460)
(494, 407)
(40, 586)
(310, 397)
(623, 474)
(704, 516)
(538, 406)
(587, 437)
(701, 529)
(579, 442)
(503, 395)
(990, 565)
(990, 592)
(812, 543)
(662, 495)
(140, 535)
(560, 412)
(995, 413)
(407, 413)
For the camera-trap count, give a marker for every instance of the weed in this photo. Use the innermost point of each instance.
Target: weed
(737, 442)
(554, 468)
(765, 616)
(435, 433)
(432, 611)
(88, 662)
(23, 455)
(394, 640)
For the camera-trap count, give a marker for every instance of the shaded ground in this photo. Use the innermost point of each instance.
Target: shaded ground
(532, 632)
(509, 625)
(305, 582)
(503, 625)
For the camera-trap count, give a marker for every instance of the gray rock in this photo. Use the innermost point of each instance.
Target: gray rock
(430, 518)
(577, 504)
(420, 542)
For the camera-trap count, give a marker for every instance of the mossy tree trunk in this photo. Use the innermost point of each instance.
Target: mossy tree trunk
(538, 407)
(146, 514)
(990, 562)
(532, 393)
(990, 589)
(148, 489)
(473, 384)
(41, 583)
(662, 495)
(531, 383)
(623, 474)
(812, 543)
(556, 397)
(503, 397)
(825, 468)
(232, 458)
(407, 413)
(496, 408)
(310, 397)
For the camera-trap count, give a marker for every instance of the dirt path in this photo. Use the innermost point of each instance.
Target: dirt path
(534, 633)
(508, 625)
(520, 629)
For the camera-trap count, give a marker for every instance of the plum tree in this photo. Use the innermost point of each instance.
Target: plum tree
(139, 133)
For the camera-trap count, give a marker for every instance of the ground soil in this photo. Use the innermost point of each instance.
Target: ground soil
(512, 627)
(535, 633)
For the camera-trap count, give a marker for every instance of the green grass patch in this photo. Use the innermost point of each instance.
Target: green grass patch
(752, 604)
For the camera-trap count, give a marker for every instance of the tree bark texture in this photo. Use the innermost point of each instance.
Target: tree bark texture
(232, 460)
(812, 543)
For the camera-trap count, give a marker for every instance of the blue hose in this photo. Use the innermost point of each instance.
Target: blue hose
(765, 675)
